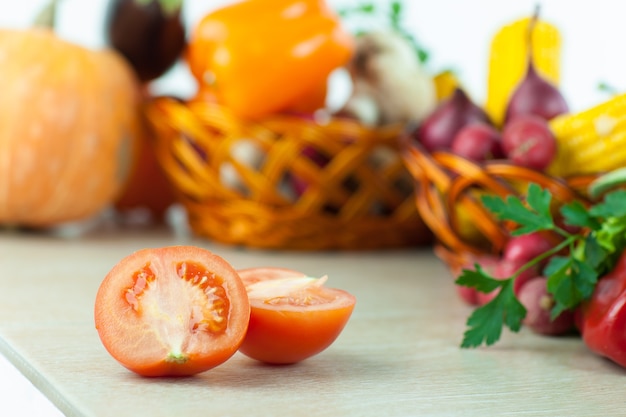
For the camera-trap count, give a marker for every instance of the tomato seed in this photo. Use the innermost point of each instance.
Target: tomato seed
(131, 299)
(141, 279)
(212, 285)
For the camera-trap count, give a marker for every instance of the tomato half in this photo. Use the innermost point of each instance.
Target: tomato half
(292, 316)
(177, 310)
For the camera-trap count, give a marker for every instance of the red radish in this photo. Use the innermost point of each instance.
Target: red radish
(439, 129)
(526, 247)
(539, 303)
(506, 268)
(528, 141)
(478, 142)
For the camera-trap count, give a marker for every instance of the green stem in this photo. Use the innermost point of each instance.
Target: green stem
(607, 182)
(571, 239)
(47, 16)
(169, 7)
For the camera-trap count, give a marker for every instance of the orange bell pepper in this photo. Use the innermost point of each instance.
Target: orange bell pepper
(262, 56)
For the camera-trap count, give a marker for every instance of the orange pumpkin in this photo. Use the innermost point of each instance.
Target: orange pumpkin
(68, 126)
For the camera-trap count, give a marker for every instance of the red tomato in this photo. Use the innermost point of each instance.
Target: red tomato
(177, 310)
(292, 317)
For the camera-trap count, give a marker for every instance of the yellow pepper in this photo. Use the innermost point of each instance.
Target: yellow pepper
(263, 56)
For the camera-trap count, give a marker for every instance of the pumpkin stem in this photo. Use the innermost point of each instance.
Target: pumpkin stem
(169, 7)
(47, 16)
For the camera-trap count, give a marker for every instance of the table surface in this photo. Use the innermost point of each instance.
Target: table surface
(398, 356)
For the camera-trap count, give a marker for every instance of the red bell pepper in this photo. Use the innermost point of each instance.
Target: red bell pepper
(602, 319)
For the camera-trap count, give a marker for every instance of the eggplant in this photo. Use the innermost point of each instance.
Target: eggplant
(150, 34)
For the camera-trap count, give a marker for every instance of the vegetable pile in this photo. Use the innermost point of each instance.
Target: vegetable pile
(577, 275)
(524, 137)
(559, 266)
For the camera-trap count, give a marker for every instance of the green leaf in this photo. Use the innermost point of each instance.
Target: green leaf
(576, 214)
(531, 219)
(570, 281)
(514, 311)
(585, 279)
(396, 8)
(611, 232)
(479, 280)
(367, 8)
(423, 55)
(557, 264)
(393, 16)
(361, 9)
(396, 14)
(614, 205)
(593, 252)
(485, 323)
(539, 200)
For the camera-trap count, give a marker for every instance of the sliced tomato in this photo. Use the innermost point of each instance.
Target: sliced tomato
(292, 316)
(177, 310)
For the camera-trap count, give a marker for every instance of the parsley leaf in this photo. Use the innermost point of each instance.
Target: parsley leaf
(478, 279)
(531, 219)
(394, 19)
(611, 234)
(570, 281)
(576, 214)
(614, 205)
(593, 252)
(485, 323)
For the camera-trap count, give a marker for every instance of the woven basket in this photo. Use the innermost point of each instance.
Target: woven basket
(448, 190)
(286, 182)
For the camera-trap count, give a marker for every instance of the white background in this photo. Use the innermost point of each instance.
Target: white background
(457, 34)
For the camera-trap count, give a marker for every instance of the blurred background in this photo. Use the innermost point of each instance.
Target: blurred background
(456, 34)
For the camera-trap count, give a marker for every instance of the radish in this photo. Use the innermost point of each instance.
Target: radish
(539, 303)
(528, 141)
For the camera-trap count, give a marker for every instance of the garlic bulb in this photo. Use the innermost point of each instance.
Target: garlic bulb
(389, 84)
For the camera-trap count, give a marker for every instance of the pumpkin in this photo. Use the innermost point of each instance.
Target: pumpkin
(69, 119)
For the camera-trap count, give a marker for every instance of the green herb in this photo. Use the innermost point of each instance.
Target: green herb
(571, 278)
(486, 322)
(607, 88)
(168, 6)
(395, 22)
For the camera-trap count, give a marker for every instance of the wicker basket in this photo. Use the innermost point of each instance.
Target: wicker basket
(448, 190)
(286, 182)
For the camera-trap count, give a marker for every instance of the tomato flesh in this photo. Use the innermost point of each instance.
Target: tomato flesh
(292, 317)
(177, 310)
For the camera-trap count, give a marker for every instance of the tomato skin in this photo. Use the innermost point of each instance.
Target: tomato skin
(154, 328)
(286, 334)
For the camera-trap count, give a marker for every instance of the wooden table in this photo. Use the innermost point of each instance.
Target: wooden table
(398, 356)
